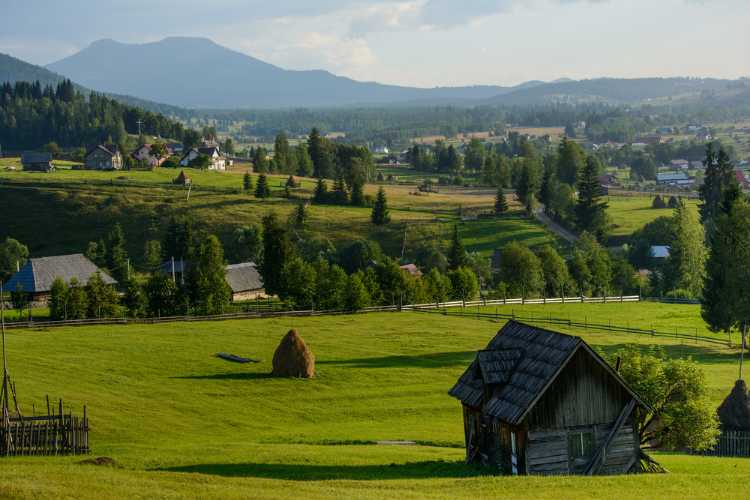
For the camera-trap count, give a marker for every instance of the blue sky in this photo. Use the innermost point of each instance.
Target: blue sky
(414, 42)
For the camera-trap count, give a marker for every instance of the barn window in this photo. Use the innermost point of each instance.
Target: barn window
(580, 449)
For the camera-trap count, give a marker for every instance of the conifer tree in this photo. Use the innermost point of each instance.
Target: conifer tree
(247, 182)
(380, 215)
(300, 215)
(719, 178)
(591, 211)
(501, 204)
(457, 256)
(207, 278)
(262, 190)
(339, 195)
(277, 252)
(321, 192)
(117, 256)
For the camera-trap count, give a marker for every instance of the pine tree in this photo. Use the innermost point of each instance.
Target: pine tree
(318, 149)
(277, 252)
(727, 285)
(719, 178)
(262, 190)
(321, 192)
(117, 256)
(501, 204)
(208, 287)
(300, 215)
(457, 256)
(247, 182)
(591, 211)
(380, 215)
(358, 195)
(340, 195)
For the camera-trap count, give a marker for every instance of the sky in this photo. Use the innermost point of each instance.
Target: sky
(423, 43)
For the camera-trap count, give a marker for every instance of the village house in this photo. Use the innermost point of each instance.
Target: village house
(103, 157)
(35, 161)
(37, 275)
(216, 160)
(680, 164)
(244, 279)
(245, 282)
(742, 179)
(673, 179)
(540, 402)
(412, 269)
(660, 252)
(143, 155)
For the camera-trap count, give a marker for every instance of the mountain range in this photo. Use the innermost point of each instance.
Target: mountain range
(196, 73)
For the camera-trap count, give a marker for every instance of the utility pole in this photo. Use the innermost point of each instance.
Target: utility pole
(139, 122)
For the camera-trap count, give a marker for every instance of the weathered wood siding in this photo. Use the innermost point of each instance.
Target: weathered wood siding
(547, 452)
(584, 394)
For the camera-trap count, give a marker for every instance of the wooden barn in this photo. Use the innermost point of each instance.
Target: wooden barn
(540, 402)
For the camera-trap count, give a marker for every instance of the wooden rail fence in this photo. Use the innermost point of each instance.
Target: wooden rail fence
(45, 435)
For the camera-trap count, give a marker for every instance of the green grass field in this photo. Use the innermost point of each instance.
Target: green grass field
(181, 423)
(62, 211)
(630, 213)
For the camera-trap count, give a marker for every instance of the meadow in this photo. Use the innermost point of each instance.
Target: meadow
(64, 210)
(630, 213)
(181, 423)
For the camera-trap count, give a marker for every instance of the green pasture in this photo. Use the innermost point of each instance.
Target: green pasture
(181, 423)
(630, 213)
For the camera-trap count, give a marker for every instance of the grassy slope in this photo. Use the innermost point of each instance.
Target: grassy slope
(62, 211)
(182, 423)
(629, 214)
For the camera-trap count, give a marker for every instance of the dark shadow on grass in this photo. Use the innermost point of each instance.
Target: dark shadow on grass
(433, 360)
(304, 472)
(227, 376)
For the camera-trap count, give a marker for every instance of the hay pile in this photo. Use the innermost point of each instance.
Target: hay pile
(734, 412)
(293, 358)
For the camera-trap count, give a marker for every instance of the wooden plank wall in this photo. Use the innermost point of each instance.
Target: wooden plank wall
(53, 435)
(547, 452)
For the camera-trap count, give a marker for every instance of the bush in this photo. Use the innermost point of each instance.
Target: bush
(658, 202)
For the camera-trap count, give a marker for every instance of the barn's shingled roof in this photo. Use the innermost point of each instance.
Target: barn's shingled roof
(37, 275)
(518, 365)
(244, 277)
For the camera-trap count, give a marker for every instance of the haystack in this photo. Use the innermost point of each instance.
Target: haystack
(293, 358)
(734, 412)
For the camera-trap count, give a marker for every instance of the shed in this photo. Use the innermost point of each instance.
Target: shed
(37, 275)
(104, 157)
(540, 402)
(36, 161)
(245, 281)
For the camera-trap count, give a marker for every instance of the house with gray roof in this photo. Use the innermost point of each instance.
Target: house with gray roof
(245, 281)
(37, 275)
(541, 402)
(37, 161)
(104, 157)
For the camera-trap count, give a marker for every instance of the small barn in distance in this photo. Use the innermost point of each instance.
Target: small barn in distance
(35, 161)
(245, 282)
(37, 275)
(540, 402)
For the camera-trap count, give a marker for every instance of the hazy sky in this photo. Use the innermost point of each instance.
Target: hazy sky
(414, 42)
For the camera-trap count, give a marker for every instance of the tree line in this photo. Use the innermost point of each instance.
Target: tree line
(32, 115)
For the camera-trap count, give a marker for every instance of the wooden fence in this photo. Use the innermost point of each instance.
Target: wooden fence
(732, 444)
(45, 435)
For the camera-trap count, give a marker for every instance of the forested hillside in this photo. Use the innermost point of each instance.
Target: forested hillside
(33, 114)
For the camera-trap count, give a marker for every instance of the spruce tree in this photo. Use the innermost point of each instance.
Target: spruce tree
(501, 204)
(247, 182)
(719, 178)
(727, 285)
(321, 192)
(339, 195)
(300, 215)
(261, 189)
(380, 215)
(591, 210)
(457, 256)
(277, 252)
(117, 256)
(358, 195)
(207, 278)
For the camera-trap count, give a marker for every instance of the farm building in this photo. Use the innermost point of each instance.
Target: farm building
(104, 157)
(216, 160)
(245, 282)
(144, 154)
(35, 161)
(244, 279)
(412, 269)
(37, 275)
(540, 402)
(673, 179)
